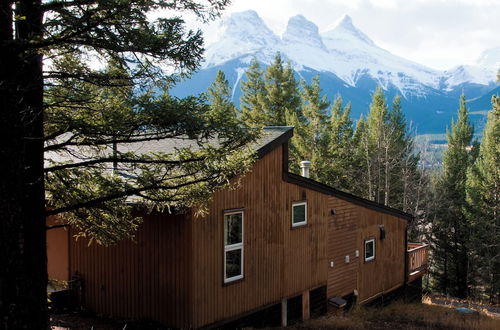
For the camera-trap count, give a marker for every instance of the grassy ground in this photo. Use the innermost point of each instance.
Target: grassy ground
(403, 316)
(434, 313)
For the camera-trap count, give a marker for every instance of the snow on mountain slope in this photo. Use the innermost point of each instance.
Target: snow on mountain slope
(344, 51)
(303, 46)
(301, 31)
(483, 72)
(240, 34)
(468, 74)
(354, 52)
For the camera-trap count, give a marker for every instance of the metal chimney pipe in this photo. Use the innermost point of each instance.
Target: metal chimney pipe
(305, 165)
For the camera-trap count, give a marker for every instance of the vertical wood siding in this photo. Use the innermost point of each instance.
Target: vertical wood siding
(57, 251)
(173, 271)
(148, 278)
(279, 261)
(342, 241)
(386, 272)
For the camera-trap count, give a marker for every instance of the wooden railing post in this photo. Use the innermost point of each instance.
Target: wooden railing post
(416, 260)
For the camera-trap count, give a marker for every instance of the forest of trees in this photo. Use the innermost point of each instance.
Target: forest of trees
(456, 206)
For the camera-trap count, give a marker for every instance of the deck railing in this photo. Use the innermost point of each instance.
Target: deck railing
(416, 260)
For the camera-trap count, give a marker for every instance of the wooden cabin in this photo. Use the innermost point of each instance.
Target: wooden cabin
(280, 245)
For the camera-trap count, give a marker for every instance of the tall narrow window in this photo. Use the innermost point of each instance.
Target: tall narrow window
(369, 249)
(233, 246)
(299, 214)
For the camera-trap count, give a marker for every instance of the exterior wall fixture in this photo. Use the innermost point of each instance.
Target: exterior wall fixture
(382, 231)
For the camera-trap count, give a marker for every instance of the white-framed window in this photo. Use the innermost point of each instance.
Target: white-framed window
(299, 214)
(369, 249)
(233, 246)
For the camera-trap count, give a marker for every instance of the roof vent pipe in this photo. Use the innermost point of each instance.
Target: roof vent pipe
(305, 165)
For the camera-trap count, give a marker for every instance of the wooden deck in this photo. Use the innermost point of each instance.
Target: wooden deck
(416, 261)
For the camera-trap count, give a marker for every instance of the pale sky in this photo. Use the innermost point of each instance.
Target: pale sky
(437, 33)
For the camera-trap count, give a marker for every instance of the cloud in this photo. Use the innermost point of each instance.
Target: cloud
(391, 4)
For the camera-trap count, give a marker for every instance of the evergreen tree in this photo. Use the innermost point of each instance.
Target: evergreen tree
(451, 229)
(375, 143)
(282, 96)
(343, 162)
(70, 33)
(252, 98)
(361, 154)
(401, 172)
(483, 208)
(309, 140)
(386, 155)
(273, 99)
(222, 108)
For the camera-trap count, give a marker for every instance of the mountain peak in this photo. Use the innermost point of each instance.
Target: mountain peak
(245, 15)
(301, 30)
(345, 29)
(346, 20)
(247, 27)
(300, 19)
(240, 33)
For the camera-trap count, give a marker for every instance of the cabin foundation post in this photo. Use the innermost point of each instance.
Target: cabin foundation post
(306, 315)
(284, 316)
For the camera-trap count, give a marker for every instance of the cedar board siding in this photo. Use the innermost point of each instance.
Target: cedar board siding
(386, 272)
(173, 272)
(342, 241)
(279, 261)
(148, 278)
(57, 251)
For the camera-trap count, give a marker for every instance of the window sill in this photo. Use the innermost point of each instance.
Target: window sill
(299, 225)
(231, 282)
(370, 260)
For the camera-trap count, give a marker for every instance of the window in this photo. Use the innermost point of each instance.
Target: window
(299, 214)
(369, 249)
(233, 246)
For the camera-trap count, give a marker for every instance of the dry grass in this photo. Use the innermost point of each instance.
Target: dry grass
(490, 310)
(403, 316)
(397, 316)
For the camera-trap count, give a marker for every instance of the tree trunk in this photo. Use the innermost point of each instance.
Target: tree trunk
(23, 274)
(369, 163)
(386, 174)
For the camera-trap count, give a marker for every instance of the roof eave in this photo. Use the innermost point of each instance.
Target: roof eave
(323, 188)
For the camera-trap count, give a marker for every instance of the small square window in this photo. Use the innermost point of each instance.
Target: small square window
(299, 214)
(369, 249)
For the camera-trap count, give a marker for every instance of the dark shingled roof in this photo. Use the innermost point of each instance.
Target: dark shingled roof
(270, 138)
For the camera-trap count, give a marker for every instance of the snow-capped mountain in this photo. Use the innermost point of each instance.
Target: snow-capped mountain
(242, 34)
(480, 73)
(349, 63)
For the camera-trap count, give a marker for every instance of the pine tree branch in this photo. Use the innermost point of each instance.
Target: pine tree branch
(121, 194)
(58, 5)
(120, 138)
(56, 226)
(120, 160)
